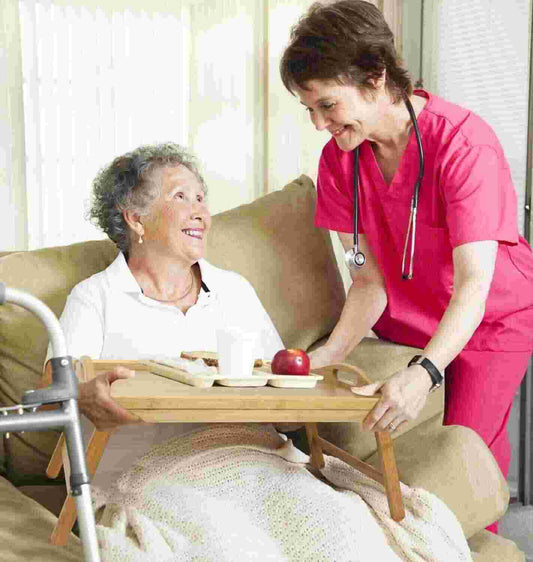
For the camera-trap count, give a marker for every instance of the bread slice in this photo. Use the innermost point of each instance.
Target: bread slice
(210, 358)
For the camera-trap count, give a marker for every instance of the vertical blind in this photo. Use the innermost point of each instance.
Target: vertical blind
(96, 84)
(482, 63)
(101, 77)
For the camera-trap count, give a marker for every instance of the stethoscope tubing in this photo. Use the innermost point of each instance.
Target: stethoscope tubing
(411, 228)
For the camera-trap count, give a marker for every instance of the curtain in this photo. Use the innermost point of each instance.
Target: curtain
(89, 80)
(96, 84)
(100, 81)
(13, 224)
(476, 55)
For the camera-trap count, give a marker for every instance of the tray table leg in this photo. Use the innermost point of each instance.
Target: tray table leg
(317, 457)
(388, 477)
(390, 474)
(56, 460)
(67, 517)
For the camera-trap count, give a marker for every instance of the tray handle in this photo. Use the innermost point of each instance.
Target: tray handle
(356, 377)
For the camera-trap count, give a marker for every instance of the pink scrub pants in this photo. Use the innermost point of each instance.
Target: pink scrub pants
(479, 391)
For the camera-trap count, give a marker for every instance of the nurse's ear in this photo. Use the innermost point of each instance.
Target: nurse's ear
(379, 83)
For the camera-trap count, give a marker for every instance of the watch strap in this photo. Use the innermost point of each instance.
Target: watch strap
(433, 372)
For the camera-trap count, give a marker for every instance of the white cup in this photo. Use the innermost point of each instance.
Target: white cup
(236, 352)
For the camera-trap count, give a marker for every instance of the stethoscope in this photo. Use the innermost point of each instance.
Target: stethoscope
(354, 258)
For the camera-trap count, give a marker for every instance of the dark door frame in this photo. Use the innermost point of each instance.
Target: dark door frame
(525, 459)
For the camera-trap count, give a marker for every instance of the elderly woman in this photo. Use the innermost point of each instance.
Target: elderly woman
(159, 297)
(464, 292)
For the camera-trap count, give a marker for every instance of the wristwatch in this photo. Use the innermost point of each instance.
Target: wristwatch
(433, 372)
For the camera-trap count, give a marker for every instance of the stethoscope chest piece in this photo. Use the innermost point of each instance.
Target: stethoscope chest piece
(354, 258)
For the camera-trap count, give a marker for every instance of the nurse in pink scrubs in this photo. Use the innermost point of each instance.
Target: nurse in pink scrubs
(469, 304)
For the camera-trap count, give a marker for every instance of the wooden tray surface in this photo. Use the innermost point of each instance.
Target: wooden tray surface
(158, 399)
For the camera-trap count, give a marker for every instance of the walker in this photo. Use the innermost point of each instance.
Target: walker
(62, 390)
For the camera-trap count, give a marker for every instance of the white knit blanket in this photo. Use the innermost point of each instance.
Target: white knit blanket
(241, 492)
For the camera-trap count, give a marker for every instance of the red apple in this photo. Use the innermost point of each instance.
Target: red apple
(291, 362)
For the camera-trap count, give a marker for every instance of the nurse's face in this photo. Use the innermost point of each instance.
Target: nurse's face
(348, 115)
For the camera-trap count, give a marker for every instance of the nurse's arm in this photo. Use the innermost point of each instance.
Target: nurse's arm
(365, 302)
(404, 394)
(473, 265)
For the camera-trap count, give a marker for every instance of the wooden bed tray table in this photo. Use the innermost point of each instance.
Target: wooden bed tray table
(160, 400)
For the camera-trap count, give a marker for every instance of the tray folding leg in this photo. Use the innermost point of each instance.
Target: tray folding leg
(317, 457)
(389, 469)
(94, 452)
(388, 476)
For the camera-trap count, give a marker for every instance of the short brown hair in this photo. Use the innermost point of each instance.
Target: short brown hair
(348, 41)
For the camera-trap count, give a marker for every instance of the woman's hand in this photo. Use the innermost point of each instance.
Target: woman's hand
(403, 397)
(95, 400)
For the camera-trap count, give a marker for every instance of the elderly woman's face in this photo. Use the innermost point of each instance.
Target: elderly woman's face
(342, 109)
(179, 219)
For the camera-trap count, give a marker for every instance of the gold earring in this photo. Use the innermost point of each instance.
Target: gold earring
(140, 238)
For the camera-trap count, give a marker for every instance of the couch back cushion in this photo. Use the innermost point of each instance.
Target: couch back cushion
(272, 242)
(289, 262)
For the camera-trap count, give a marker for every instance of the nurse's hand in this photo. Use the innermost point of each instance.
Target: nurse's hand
(402, 398)
(322, 357)
(95, 401)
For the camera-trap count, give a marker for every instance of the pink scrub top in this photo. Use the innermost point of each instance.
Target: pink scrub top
(466, 195)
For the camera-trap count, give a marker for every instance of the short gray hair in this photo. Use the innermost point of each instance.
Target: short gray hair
(128, 184)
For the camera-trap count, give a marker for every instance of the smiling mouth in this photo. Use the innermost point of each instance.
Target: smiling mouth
(194, 233)
(338, 131)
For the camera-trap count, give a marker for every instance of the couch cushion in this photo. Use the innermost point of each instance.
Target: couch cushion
(379, 360)
(488, 547)
(454, 463)
(25, 529)
(290, 263)
(49, 275)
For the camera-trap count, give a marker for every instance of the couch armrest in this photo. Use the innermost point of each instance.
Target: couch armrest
(488, 547)
(453, 463)
(25, 529)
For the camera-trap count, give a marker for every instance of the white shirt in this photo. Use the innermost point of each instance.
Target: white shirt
(108, 317)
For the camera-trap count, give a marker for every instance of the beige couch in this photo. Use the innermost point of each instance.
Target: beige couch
(291, 264)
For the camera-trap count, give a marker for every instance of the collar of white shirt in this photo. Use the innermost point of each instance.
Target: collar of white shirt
(121, 277)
